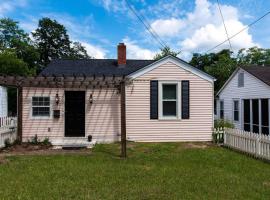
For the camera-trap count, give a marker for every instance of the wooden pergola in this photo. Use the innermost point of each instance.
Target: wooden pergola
(75, 81)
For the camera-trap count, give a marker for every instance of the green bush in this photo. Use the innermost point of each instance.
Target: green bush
(35, 140)
(222, 123)
(46, 142)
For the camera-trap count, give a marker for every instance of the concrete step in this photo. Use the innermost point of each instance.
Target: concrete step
(72, 142)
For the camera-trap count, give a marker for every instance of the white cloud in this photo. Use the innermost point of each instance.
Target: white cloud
(202, 28)
(167, 27)
(134, 51)
(94, 51)
(9, 5)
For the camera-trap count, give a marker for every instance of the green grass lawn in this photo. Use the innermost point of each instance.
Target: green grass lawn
(151, 171)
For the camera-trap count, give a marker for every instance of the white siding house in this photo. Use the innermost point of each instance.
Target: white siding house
(3, 102)
(244, 99)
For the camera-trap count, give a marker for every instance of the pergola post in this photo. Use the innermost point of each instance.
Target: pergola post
(19, 112)
(123, 120)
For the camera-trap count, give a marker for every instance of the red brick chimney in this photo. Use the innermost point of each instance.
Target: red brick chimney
(121, 54)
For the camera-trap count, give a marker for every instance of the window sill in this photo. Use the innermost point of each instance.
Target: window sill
(32, 117)
(169, 119)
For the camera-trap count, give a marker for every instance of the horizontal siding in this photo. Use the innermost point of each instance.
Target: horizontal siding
(197, 128)
(102, 116)
(253, 88)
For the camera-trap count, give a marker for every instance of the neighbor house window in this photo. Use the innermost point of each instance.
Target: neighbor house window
(40, 106)
(236, 110)
(221, 109)
(169, 99)
(241, 79)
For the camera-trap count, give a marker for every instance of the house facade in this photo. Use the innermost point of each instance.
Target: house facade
(165, 100)
(245, 98)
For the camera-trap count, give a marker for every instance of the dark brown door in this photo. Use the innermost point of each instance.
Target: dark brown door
(74, 113)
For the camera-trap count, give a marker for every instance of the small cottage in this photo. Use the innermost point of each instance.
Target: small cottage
(245, 98)
(77, 101)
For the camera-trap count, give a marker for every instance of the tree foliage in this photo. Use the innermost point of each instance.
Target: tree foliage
(165, 52)
(53, 42)
(14, 39)
(78, 51)
(10, 64)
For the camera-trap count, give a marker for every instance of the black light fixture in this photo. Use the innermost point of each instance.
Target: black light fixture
(57, 99)
(91, 99)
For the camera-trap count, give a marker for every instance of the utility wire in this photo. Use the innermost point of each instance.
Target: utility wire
(223, 21)
(147, 26)
(251, 24)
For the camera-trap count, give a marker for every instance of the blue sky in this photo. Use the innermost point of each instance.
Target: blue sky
(185, 25)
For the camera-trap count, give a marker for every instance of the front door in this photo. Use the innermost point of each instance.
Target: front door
(74, 113)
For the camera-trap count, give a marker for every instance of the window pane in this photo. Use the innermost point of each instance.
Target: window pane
(264, 112)
(255, 111)
(236, 106)
(246, 111)
(236, 115)
(265, 130)
(169, 108)
(169, 91)
(41, 111)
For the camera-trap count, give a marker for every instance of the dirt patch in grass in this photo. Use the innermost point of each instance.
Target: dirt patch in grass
(266, 183)
(3, 160)
(29, 149)
(196, 145)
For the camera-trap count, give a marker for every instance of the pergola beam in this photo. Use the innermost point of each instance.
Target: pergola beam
(63, 81)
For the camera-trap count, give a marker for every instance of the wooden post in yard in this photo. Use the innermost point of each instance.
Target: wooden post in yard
(123, 120)
(19, 113)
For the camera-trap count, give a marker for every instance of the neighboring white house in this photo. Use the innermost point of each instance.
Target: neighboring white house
(245, 98)
(3, 102)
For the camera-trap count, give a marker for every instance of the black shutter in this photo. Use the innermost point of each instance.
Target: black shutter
(185, 99)
(153, 99)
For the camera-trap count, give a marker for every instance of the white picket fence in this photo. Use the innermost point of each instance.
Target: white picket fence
(8, 130)
(251, 143)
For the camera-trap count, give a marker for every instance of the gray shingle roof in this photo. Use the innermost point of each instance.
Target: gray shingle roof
(260, 72)
(90, 67)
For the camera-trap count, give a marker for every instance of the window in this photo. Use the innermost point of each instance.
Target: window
(236, 110)
(169, 100)
(241, 79)
(40, 106)
(221, 110)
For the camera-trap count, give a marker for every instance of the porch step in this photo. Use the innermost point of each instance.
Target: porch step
(72, 142)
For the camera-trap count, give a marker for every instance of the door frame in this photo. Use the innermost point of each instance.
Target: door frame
(77, 90)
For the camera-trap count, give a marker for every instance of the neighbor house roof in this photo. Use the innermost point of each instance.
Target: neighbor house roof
(260, 72)
(91, 67)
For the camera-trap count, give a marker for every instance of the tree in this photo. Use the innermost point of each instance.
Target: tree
(221, 68)
(15, 39)
(10, 33)
(10, 64)
(165, 52)
(52, 40)
(78, 51)
(254, 55)
(220, 65)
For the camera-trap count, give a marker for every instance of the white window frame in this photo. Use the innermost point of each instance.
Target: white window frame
(239, 84)
(41, 117)
(178, 100)
(233, 110)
